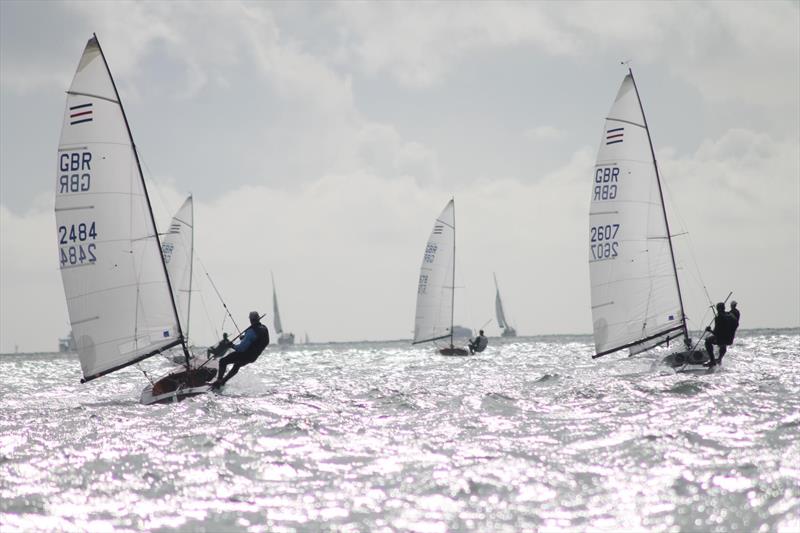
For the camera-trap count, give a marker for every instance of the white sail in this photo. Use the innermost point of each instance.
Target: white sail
(278, 326)
(117, 291)
(178, 249)
(498, 307)
(434, 314)
(635, 296)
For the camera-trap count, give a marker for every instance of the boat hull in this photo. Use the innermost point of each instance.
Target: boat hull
(453, 352)
(694, 357)
(509, 332)
(286, 339)
(179, 384)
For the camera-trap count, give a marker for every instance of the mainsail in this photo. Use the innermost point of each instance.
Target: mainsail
(498, 307)
(636, 300)
(178, 249)
(118, 293)
(434, 314)
(278, 326)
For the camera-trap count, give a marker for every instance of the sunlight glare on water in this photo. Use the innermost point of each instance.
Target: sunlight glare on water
(531, 434)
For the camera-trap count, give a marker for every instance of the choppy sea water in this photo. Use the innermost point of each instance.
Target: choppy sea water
(530, 435)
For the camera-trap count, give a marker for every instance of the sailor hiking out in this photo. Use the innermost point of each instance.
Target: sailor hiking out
(478, 344)
(255, 341)
(725, 325)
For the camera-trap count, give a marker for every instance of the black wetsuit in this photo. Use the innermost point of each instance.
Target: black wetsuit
(736, 314)
(725, 325)
(244, 357)
(479, 344)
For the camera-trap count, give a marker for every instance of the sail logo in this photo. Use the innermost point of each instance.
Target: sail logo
(614, 136)
(79, 114)
(437, 229)
(166, 250)
(430, 252)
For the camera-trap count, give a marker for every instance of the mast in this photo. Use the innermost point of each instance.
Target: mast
(686, 340)
(453, 290)
(149, 207)
(498, 301)
(191, 264)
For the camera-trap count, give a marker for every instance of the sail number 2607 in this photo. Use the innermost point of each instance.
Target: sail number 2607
(73, 249)
(603, 241)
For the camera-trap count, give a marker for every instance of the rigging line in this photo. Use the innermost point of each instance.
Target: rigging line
(224, 305)
(675, 208)
(208, 316)
(140, 369)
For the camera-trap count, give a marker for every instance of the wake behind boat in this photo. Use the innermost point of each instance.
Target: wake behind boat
(636, 294)
(119, 296)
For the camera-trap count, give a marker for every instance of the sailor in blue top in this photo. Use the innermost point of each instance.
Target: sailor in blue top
(255, 340)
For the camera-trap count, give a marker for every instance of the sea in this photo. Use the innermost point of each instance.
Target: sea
(531, 435)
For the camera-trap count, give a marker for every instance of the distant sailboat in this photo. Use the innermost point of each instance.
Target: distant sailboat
(502, 323)
(284, 339)
(119, 296)
(435, 292)
(636, 295)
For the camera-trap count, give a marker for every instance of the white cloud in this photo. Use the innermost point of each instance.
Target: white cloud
(346, 248)
(545, 133)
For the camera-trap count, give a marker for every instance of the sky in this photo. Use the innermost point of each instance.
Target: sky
(320, 140)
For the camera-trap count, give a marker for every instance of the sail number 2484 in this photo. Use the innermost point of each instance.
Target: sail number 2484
(73, 246)
(603, 241)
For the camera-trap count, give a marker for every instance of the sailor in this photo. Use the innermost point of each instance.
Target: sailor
(220, 349)
(736, 314)
(478, 344)
(722, 335)
(255, 340)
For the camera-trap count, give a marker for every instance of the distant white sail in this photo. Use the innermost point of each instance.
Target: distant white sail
(115, 282)
(178, 249)
(278, 326)
(635, 295)
(498, 307)
(434, 314)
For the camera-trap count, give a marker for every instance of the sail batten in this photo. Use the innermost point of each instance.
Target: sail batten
(129, 293)
(635, 292)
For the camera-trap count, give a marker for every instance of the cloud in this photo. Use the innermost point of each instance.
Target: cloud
(346, 248)
(545, 133)
(728, 52)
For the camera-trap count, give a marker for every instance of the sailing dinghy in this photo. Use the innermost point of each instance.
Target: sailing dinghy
(436, 291)
(177, 248)
(636, 295)
(119, 296)
(284, 338)
(502, 323)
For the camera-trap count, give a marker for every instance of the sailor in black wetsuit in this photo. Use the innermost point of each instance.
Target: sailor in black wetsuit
(736, 314)
(479, 344)
(722, 335)
(255, 340)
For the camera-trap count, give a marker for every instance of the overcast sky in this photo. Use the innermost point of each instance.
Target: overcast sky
(320, 141)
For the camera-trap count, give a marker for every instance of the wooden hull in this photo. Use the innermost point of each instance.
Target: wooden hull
(453, 351)
(679, 359)
(179, 384)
